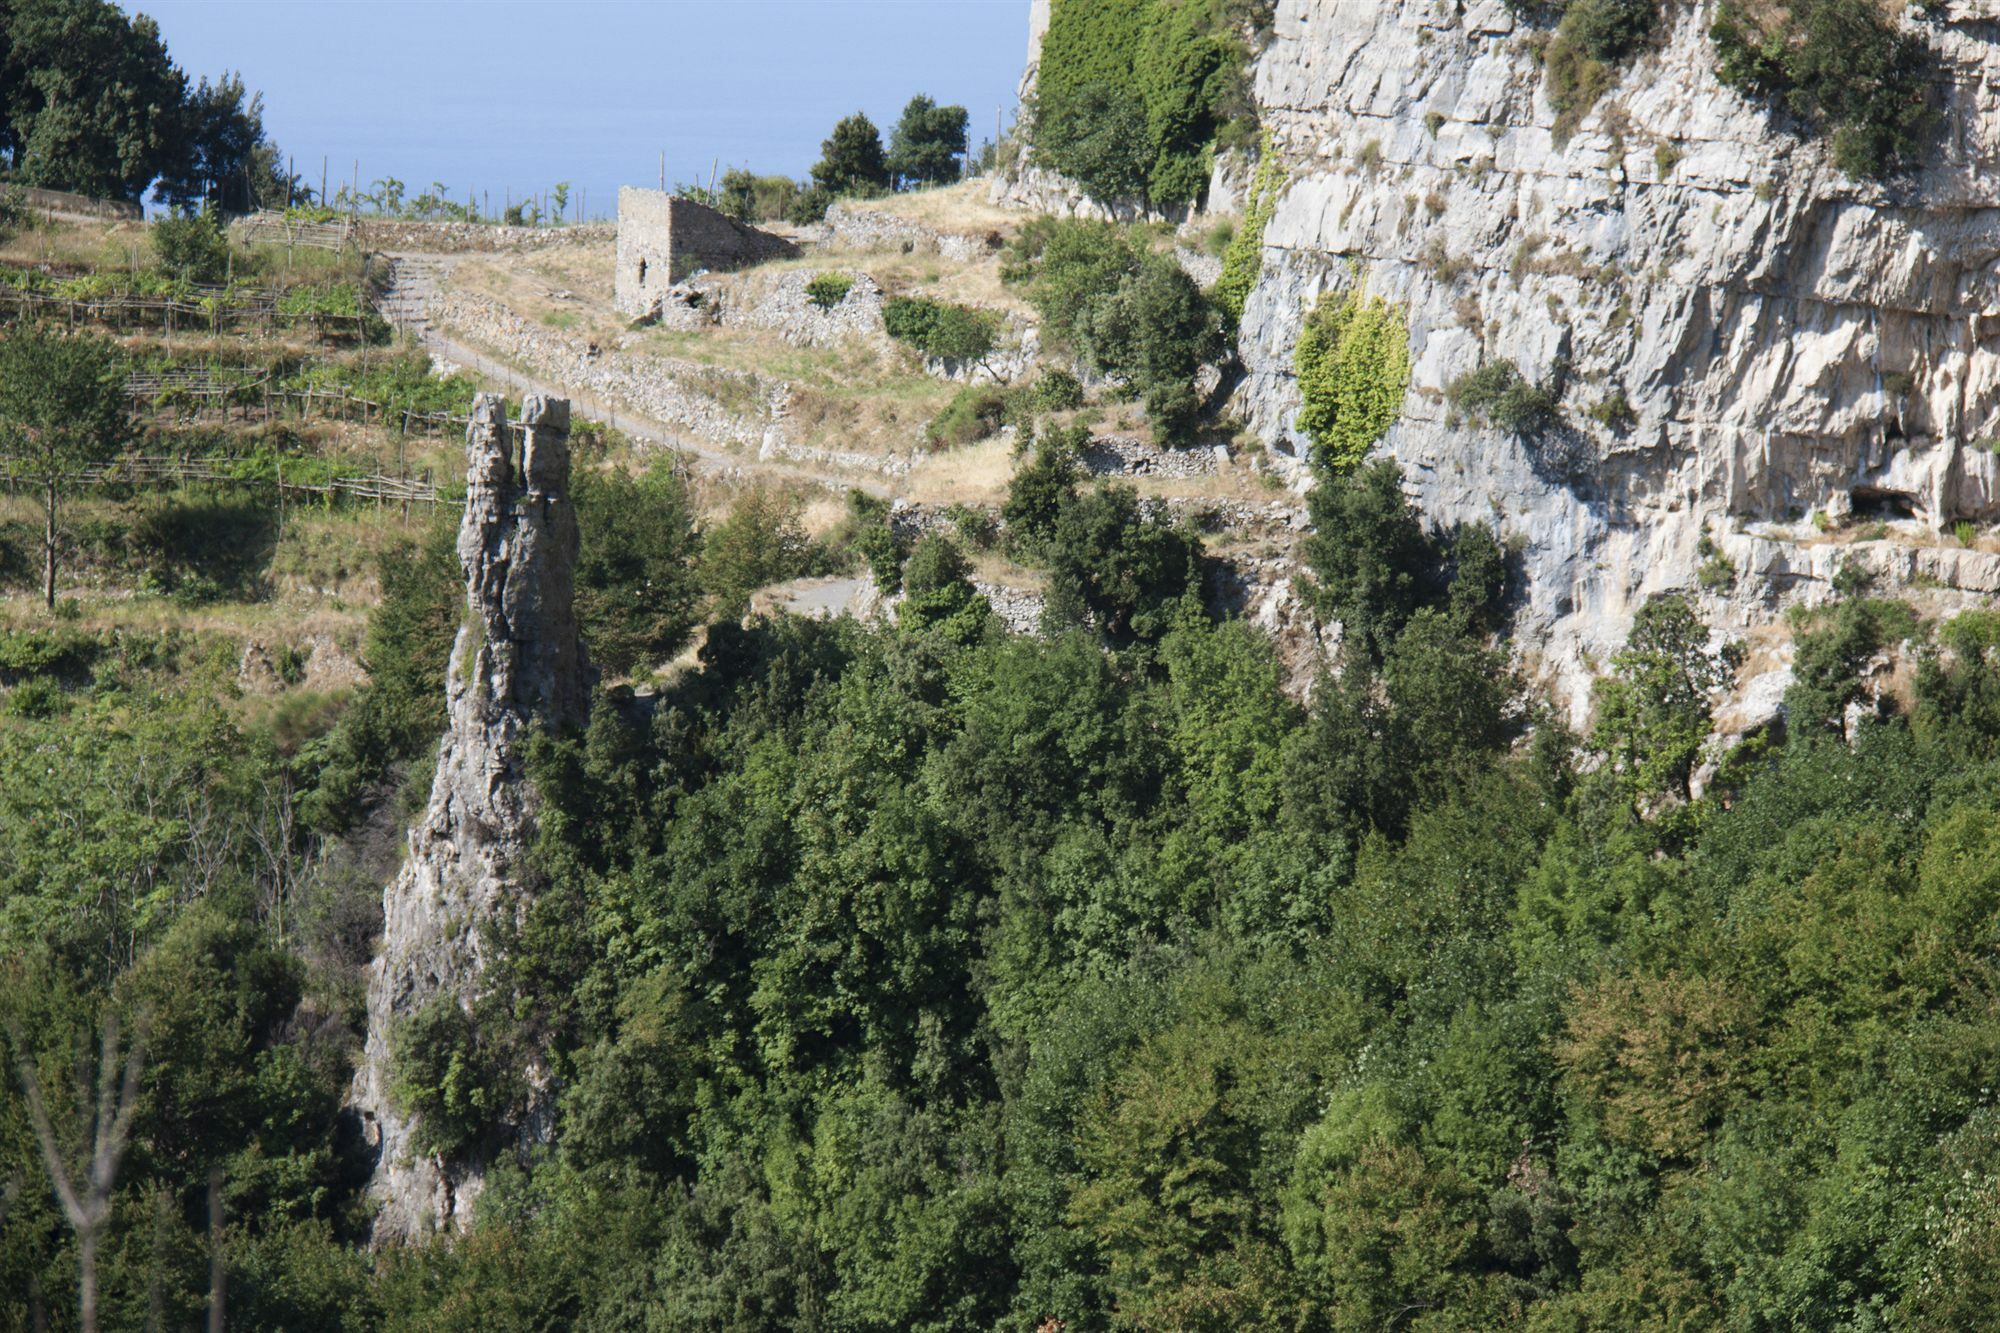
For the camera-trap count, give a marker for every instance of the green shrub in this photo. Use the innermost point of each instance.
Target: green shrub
(1843, 65)
(809, 206)
(1353, 363)
(37, 698)
(1038, 492)
(61, 653)
(445, 1077)
(1500, 395)
(940, 597)
(751, 198)
(1057, 391)
(191, 246)
(940, 328)
(1614, 411)
(975, 412)
(827, 290)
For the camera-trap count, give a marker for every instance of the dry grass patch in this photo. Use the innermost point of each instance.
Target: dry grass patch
(975, 474)
(962, 207)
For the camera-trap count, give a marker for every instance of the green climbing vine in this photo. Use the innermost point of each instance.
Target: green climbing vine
(1245, 255)
(1353, 363)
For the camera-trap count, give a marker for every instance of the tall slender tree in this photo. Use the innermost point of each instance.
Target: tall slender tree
(62, 408)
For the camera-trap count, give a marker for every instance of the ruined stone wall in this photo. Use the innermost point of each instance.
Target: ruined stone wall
(62, 203)
(517, 661)
(438, 238)
(663, 238)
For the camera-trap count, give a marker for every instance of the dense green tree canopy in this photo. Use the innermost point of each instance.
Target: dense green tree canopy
(851, 160)
(927, 142)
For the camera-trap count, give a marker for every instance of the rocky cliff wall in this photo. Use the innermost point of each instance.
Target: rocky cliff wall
(517, 661)
(1789, 340)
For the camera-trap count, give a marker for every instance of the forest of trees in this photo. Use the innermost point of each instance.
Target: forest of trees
(922, 977)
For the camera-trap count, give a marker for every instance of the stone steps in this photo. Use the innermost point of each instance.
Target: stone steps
(414, 281)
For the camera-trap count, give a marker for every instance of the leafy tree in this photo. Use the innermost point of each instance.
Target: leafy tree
(402, 708)
(939, 595)
(1828, 658)
(1653, 711)
(227, 162)
(191, 246)
(1958, 689)
(760, 542)
(1121, 567)
(1371, 562)
(1038, 493)
(851, 161)
(1089, 132)
(927, 142)
(1154, 331)
(1066, 267)
(1130, 314)
(636, 589)
(62, 408)
(448, 1077)
(94, 104)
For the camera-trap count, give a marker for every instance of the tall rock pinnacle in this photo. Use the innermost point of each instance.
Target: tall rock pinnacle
(517, 661)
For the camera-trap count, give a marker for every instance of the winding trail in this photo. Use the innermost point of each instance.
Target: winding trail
(414, 279)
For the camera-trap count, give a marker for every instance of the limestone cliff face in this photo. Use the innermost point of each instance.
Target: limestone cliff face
(1789, 340)
(517, 661)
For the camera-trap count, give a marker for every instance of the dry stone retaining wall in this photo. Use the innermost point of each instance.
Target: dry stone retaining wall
(728, 406)
(391, 234)
(867, 229)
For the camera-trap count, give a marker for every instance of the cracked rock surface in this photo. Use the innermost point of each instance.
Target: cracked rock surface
(517, 662)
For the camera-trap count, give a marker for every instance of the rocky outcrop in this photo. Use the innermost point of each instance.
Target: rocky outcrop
(1788, 340)
(517, 662)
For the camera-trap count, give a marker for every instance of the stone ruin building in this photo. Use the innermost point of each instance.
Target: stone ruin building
(662, 238)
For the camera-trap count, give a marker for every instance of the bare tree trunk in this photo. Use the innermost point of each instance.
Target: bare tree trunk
(117, 1102)
(217, 1274)
(86, 1283)
(49, 549)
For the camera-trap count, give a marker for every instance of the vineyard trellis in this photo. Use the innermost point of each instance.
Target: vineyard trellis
(170, 471)
(268, 228)
(209, 309)
(204, 389)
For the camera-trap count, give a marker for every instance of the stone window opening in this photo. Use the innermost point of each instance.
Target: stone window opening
(642, 273)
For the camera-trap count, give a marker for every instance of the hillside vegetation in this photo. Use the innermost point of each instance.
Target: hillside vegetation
(1173, 907)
